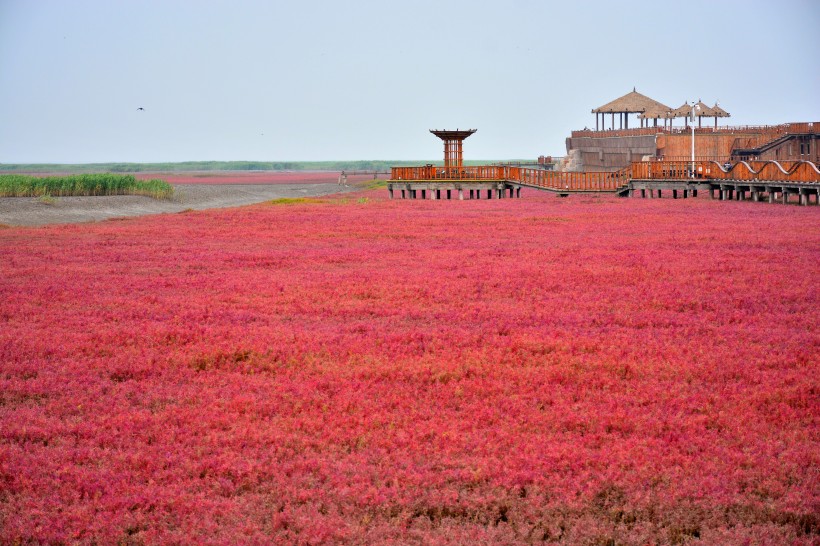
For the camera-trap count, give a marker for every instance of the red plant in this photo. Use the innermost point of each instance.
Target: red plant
(256, 177)
(369, 371)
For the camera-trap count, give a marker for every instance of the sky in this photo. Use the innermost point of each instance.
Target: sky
(315, 80)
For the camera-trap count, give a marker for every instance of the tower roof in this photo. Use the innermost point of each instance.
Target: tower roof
(458, 134)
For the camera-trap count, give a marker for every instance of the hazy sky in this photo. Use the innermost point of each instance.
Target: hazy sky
(323, 80)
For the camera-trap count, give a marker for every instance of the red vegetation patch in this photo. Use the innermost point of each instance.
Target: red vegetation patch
(588, 370)
(254, 177)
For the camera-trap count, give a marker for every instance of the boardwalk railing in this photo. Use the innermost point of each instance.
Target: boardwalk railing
(552, 180)
(569, 181)
(430, 172)
(766, 131)
(783, 171)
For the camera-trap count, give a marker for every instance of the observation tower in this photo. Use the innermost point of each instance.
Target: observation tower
(453, 145)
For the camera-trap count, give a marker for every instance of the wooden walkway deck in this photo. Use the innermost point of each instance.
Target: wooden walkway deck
(761, 180)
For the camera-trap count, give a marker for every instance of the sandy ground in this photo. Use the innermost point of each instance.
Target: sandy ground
(30, 211)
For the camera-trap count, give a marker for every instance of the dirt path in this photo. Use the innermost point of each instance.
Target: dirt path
(30, 211)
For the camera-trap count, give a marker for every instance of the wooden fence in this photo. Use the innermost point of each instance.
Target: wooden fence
(553, 180)
(775, 171)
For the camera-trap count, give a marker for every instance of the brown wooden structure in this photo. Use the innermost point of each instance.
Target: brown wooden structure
(631, 103)
(614, 150)
(453, 142)
(685, 175)
(761, 180)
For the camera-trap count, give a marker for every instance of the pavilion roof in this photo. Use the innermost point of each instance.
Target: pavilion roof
(719, 112)
(682, 111)
(703, 110)
(657, 112)
(632, 102)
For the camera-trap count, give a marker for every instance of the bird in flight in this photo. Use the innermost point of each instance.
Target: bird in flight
(141, 108)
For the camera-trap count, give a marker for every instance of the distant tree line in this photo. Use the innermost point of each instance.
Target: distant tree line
(187, 166)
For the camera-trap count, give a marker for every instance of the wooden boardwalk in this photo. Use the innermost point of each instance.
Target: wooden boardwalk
(770, 181)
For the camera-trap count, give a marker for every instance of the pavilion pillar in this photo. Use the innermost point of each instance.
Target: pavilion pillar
(596, 122)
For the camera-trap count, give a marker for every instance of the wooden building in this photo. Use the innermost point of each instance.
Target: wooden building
(657, 138)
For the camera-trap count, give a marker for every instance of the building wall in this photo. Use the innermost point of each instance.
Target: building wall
(707, 146)
(611, 153)
(804, 147)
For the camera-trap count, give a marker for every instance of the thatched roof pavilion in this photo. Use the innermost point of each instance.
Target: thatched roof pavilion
(683, 111)
(647, 108)
(702, 111)
(719, 112)
(631, 103)
(656, 113)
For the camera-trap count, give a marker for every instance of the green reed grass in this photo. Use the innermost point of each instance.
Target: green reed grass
(19, 185)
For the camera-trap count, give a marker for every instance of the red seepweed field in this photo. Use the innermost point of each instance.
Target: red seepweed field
(256, 177)
(589, 370)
